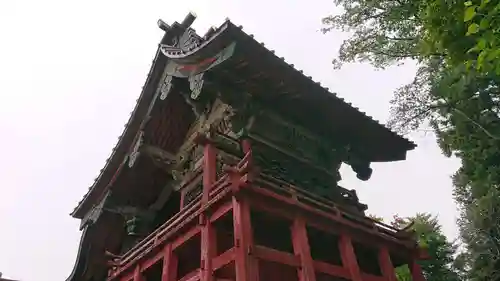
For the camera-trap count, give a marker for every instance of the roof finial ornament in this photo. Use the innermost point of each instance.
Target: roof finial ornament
(188, 20)
(163, 25)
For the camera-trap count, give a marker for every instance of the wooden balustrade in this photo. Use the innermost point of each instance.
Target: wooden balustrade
(198, 216)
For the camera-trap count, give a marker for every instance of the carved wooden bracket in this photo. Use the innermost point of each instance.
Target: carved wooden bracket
(166, 87)
(196, 84)
(134, 154)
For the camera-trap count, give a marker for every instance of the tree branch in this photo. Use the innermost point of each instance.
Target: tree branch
(488, 133)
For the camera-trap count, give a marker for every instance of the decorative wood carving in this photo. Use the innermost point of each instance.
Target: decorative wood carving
(94, 213)
(196, 84)
(166, 87)
(134, 154)
(159, 154)
(189, 40)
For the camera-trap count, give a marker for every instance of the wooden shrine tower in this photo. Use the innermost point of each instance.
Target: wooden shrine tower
(228, 170)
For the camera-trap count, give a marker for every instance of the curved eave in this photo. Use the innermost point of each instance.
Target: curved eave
(125, 140)
(387, 146)
(81, 256)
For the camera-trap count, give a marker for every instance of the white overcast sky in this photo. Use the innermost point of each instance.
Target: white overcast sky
(71, 71)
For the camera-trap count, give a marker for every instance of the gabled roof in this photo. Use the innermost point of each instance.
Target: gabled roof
(125, 141)
(301, 96)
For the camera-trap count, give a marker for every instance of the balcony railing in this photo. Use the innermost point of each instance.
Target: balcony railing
(243, 172)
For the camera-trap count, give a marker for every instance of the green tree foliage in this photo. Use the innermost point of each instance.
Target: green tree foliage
(441, 265)
(455, 91)
(483, 24)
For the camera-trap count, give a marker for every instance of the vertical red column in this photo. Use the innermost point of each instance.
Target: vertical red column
(208, 247)
(349, 257)
(138, 274)
(208, 242)
(209, 170)
(246, 147)
(416, 271)
(246, 265)
(169, 272)
(301, 249)
(386, 265)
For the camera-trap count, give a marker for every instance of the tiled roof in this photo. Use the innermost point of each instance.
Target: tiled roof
(173, 53)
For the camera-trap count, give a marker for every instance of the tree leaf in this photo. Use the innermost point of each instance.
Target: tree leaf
(470, 13)
(480, 59)
(481, 44)
(484, 24)
(472, 29)
(493, 55)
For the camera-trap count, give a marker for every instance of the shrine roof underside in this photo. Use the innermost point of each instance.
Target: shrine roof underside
(252, 68)
(233, 60)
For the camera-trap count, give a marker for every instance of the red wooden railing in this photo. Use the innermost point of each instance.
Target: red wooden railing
(265, 185)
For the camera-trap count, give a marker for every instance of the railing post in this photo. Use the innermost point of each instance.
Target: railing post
(386, 265)
(301, 249)
(349, 257)
(138, 274)
(169, 272)
(248, 166)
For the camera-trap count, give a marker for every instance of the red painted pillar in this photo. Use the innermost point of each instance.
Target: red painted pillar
(209, 170)
(386, 265)
(301, 249)
(246, 265)
(169, 272)
(248, 166)
(246, 145)
(208, 246)
(349, 257)
(207, 231)
(416, 271)
(138, 274)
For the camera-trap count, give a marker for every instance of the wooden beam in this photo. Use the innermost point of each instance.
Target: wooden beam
(208, 236)
(301, 249)
(272, 255)
(209, 170)
(179, 241)
(138, 274)
(150, 261)
(330, 269)
(385, 262)
(354, 229)
(208, 248)
(191, 276)
(169, 269)
(223, 259)
(349, 257)
(416, 271)
(246, 265)
(222, 210)
(158, 153)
